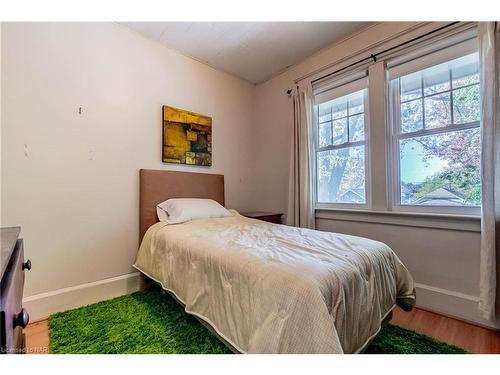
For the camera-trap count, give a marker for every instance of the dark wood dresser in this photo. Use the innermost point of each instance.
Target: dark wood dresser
(270, 217)
(13, 317)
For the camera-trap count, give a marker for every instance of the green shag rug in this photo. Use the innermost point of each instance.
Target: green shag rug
(153, 322)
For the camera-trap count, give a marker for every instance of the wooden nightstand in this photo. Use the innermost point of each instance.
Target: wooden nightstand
(270, 217)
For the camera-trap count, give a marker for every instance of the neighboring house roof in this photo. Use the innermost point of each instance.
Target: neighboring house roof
(355, 195)
(358, 192)
(440, 197)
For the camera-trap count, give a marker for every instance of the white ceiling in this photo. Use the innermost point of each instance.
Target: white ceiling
(254, 51)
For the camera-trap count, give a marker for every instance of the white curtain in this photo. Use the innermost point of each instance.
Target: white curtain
(489, 50)
(300, 196)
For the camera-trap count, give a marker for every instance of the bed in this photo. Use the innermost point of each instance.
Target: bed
(268, 288)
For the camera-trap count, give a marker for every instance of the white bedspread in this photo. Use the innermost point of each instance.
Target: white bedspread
(269, 288)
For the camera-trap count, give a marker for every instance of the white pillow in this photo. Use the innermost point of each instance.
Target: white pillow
(179, 210)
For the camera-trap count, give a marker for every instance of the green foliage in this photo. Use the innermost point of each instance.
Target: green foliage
(152, 322)
(466, 180)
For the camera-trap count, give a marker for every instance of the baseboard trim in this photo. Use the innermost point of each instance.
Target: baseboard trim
(442, 301)
(453, 304)
(41, 305)
(447, 292)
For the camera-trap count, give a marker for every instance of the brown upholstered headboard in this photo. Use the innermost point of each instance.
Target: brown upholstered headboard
(157, 186)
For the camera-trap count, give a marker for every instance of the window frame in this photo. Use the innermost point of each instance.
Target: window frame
(335, 92)
(394, 107)
(380, 181)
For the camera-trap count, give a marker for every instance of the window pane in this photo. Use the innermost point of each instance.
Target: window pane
(411, 86)
(437, 110)
(464, 81)
(466, 104)
(325, 118)
(357, 127)
(441, 170)
(436, 79)
(339, 131)
(356, 103)
(465, 70)
(341, 175)
(325, 134)
(325, 112)
(339, 107)
(411, 116)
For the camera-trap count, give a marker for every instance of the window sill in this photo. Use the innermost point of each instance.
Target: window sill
(469, 223)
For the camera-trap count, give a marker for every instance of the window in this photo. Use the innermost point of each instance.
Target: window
(436, 136)
(340, 119)
(402, 132)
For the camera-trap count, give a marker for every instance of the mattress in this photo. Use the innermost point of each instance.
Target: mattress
(270, 288)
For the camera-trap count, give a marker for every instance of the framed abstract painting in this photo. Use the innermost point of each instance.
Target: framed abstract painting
(187, 137)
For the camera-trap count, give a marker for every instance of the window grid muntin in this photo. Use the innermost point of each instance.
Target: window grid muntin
(423, 96)
(347, 117)
(437, 92)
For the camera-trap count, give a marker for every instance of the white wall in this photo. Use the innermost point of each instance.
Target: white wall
(71, 181)
(444, 259)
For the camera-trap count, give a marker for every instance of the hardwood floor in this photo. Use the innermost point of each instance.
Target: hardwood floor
(37, 337)
(468, 336)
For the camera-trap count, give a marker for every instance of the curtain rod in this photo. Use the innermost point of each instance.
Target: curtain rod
(374, 56)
